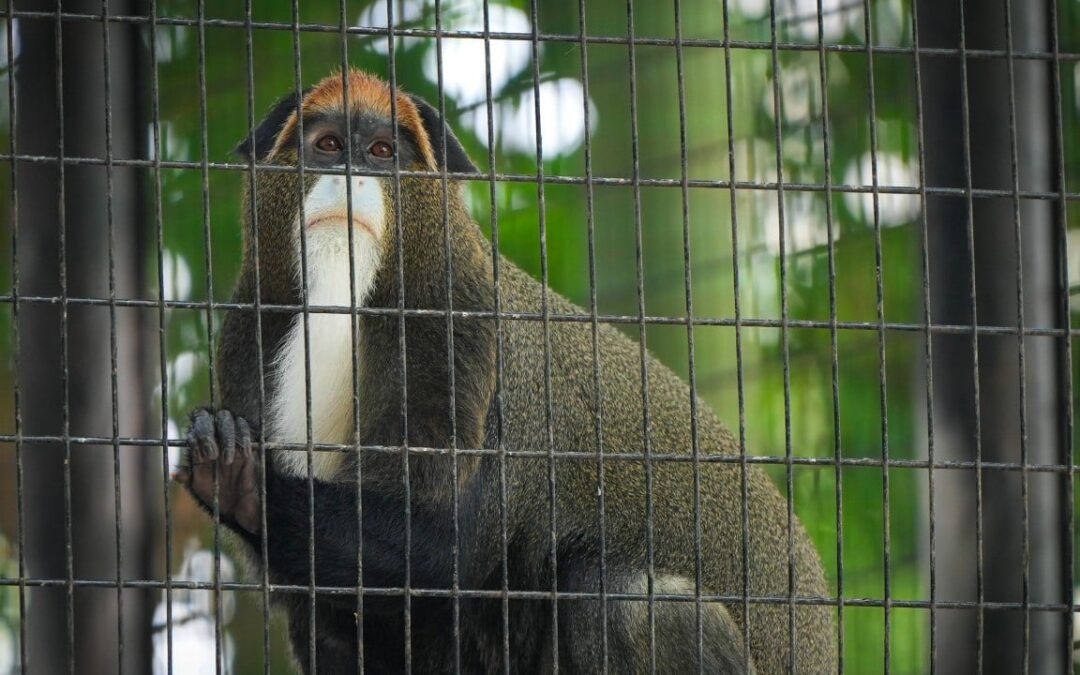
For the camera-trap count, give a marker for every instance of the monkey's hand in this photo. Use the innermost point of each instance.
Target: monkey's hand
(220, 458)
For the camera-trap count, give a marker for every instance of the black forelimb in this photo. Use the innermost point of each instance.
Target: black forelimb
(224, 468)
(337, 539)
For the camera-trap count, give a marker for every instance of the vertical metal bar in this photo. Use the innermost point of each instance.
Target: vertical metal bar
(354, 328)
(598, 400)
(639, 279)
(546, 311)
(16, 390)
(499, 388)
(691, 352)
(834, 337)
(1020, 352)
(111, 245)
(65, 373)
(455, 584)
(928, 353)
(399, 225)
(980, 584)
(740, 374)
(1065, 318)
(880, 302)
(778, 109)
(264, 572)
(163, 369)
(306, 322)
(209, 277)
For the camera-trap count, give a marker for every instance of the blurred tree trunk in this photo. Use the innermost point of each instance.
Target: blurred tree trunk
(996, 280)
(86, 399)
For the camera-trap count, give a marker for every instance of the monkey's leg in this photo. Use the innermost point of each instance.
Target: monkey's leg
(336, 651)
(336, 543)
(628, 629)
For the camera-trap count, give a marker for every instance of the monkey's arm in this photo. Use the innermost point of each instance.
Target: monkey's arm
(221, 443)
(337, 540)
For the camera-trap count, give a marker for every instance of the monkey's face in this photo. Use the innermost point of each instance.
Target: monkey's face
(322, 224)
(364, 141)
(345, 217)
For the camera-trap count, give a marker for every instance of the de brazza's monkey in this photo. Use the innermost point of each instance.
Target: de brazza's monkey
(399, 242)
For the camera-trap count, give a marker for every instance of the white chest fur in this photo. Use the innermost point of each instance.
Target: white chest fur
(327, 351)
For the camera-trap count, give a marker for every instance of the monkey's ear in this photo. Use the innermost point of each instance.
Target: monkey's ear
(456, 160)
(261, 141)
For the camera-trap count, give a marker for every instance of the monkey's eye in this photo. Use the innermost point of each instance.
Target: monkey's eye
(381, 149)
(329, 143)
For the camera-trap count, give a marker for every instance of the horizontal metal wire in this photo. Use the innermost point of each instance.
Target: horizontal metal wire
(617, 319)
(416, 592)
(157, 442)
(768, 186)
(337, 29)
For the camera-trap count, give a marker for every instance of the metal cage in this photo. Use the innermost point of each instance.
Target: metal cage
(879, 257)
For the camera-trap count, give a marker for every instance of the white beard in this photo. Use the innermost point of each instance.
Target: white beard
(331, 345)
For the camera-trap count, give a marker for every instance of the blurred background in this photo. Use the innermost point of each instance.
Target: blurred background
(933, 468)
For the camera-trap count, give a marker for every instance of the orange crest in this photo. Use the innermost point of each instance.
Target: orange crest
(367, 93)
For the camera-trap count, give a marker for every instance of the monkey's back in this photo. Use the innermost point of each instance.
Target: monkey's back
(571, 436)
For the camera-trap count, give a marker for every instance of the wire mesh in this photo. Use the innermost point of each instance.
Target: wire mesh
(928, 440)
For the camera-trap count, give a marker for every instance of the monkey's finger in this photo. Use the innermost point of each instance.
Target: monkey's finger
(182, 476)
(226, 435)
(201, 437)
(188, 458)
(243, 437)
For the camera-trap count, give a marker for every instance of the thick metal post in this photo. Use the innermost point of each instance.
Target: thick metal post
(997, 397)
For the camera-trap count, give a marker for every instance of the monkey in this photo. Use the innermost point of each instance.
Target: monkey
(479, 447)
